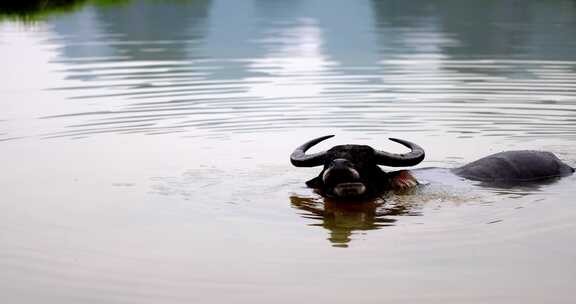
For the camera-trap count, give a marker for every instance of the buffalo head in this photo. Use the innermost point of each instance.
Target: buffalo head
(352, 171)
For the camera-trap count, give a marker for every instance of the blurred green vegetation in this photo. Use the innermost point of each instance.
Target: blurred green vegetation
(35, 10)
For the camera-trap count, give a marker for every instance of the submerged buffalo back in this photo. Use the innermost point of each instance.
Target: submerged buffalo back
(515, 166)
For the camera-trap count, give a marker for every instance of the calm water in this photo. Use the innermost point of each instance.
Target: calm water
(145, 152)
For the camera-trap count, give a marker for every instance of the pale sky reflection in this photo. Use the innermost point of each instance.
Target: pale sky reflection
(295, 61)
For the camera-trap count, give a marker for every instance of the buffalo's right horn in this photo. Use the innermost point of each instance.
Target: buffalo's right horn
(299, 158)
(412, 158)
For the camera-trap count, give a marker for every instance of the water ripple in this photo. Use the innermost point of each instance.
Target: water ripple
(524, 98)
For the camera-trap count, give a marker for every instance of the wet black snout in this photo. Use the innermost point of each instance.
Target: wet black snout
(342, 179)
(340, 171)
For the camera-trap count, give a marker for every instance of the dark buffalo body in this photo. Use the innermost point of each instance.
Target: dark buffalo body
(515, 166)
(352, 171)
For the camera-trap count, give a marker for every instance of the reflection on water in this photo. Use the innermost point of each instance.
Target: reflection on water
(96, 211)
(37, 10)
(527, 29)
(122, 33)
(398, 68)
(342, 219)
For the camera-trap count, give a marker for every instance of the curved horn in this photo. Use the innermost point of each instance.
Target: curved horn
(411, 158)
(300, 159)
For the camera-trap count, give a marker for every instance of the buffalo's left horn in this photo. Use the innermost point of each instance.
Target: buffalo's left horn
(299, 158)
(412, 158)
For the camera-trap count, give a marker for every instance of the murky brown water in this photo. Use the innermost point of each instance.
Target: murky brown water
(145, 152)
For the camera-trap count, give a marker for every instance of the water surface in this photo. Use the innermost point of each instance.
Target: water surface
(145, 151)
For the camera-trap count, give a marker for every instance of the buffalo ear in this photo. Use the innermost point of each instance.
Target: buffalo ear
(315, 183)
(402, 180)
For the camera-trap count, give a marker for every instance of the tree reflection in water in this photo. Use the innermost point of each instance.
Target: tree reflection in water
(344, 219)
(36, 10)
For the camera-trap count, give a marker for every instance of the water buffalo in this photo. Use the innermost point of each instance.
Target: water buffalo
(352, 171)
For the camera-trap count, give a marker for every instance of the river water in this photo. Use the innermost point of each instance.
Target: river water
(145, 150)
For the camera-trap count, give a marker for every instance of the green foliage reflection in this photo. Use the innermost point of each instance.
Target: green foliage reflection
(34, 10)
